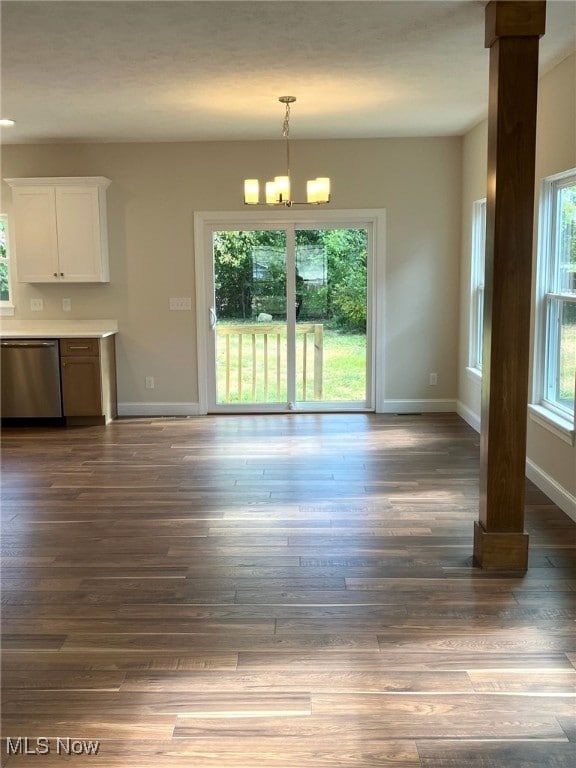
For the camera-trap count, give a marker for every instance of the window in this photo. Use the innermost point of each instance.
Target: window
(477, 284)
(6, 306)
(556, 353)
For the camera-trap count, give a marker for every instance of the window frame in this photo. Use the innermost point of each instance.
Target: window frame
(7, 305)
(477, 280)
(550, 301)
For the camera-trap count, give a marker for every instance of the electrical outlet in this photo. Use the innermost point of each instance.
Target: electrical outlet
(149, 382)
(37, 305)
(184, 303)
(66, 305)
(433, 379)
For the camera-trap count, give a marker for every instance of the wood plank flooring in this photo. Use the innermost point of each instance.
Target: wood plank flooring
(276, 591)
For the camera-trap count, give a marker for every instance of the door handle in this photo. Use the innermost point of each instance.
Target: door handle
(213, 319)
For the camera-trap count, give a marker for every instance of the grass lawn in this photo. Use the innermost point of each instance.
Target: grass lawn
(344, 368)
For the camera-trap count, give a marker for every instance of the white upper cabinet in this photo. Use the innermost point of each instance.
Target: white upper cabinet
(60, 229)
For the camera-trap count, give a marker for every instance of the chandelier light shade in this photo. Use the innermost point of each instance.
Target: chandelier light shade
(251, 191)
(277, 192)
(318, 190)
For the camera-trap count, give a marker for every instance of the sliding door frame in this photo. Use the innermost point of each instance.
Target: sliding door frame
(374, 220)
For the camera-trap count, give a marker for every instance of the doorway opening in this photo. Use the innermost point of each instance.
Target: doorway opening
(286, 310)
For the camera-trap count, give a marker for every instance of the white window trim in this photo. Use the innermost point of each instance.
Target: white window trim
(541, 410)
(553, 422)
(477, 260)
(474, 374)
(374, 219)
(7, 307)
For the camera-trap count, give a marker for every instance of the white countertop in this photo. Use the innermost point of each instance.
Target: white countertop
(57, 329)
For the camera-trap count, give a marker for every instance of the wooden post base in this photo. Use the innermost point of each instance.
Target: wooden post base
(500, 551)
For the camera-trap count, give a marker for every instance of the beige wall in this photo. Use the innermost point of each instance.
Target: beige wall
(155, 190)
(551, 461)
(555, 152)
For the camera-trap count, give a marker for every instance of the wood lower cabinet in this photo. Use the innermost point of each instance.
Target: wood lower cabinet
(88, 369)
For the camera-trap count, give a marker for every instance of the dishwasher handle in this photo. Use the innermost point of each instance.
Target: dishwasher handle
(27, 344)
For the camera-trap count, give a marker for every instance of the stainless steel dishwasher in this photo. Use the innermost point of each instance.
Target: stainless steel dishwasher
(30, 378)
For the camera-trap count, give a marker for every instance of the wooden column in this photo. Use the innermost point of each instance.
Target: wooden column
(513, 29)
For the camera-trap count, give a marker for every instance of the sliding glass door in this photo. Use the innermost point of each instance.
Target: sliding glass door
(249, 317)
(289, 314)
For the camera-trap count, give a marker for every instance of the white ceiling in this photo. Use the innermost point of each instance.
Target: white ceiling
(182, 71)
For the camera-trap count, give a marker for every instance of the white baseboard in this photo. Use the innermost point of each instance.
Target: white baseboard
(469, 416)
(556, 492)
(158, 409)
(417, 406)
(559, 495)
(193, 409)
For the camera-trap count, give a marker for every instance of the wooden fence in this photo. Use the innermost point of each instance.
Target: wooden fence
(251, 356)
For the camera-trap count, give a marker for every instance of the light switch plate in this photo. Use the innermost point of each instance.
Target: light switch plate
(37, 305)
(181, 303)
(66, 305)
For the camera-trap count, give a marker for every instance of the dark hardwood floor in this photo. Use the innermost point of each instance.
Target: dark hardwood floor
(276, 592)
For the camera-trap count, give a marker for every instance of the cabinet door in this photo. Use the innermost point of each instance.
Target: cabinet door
(81, 389)
(78, 226)
(36, 245)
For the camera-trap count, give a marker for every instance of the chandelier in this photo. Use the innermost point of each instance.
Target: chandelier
(278, 191)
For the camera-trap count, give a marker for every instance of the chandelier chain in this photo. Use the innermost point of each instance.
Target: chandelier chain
(286, 134)
(286, 122)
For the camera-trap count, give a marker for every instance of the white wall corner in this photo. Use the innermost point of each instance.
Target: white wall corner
(557, 493)
(158, 409)
(469, 416)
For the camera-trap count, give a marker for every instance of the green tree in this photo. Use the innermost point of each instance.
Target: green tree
(251, 275)
(347, 258)
(233, 273)
(568, 246)
(238, 285)
(568, 232)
